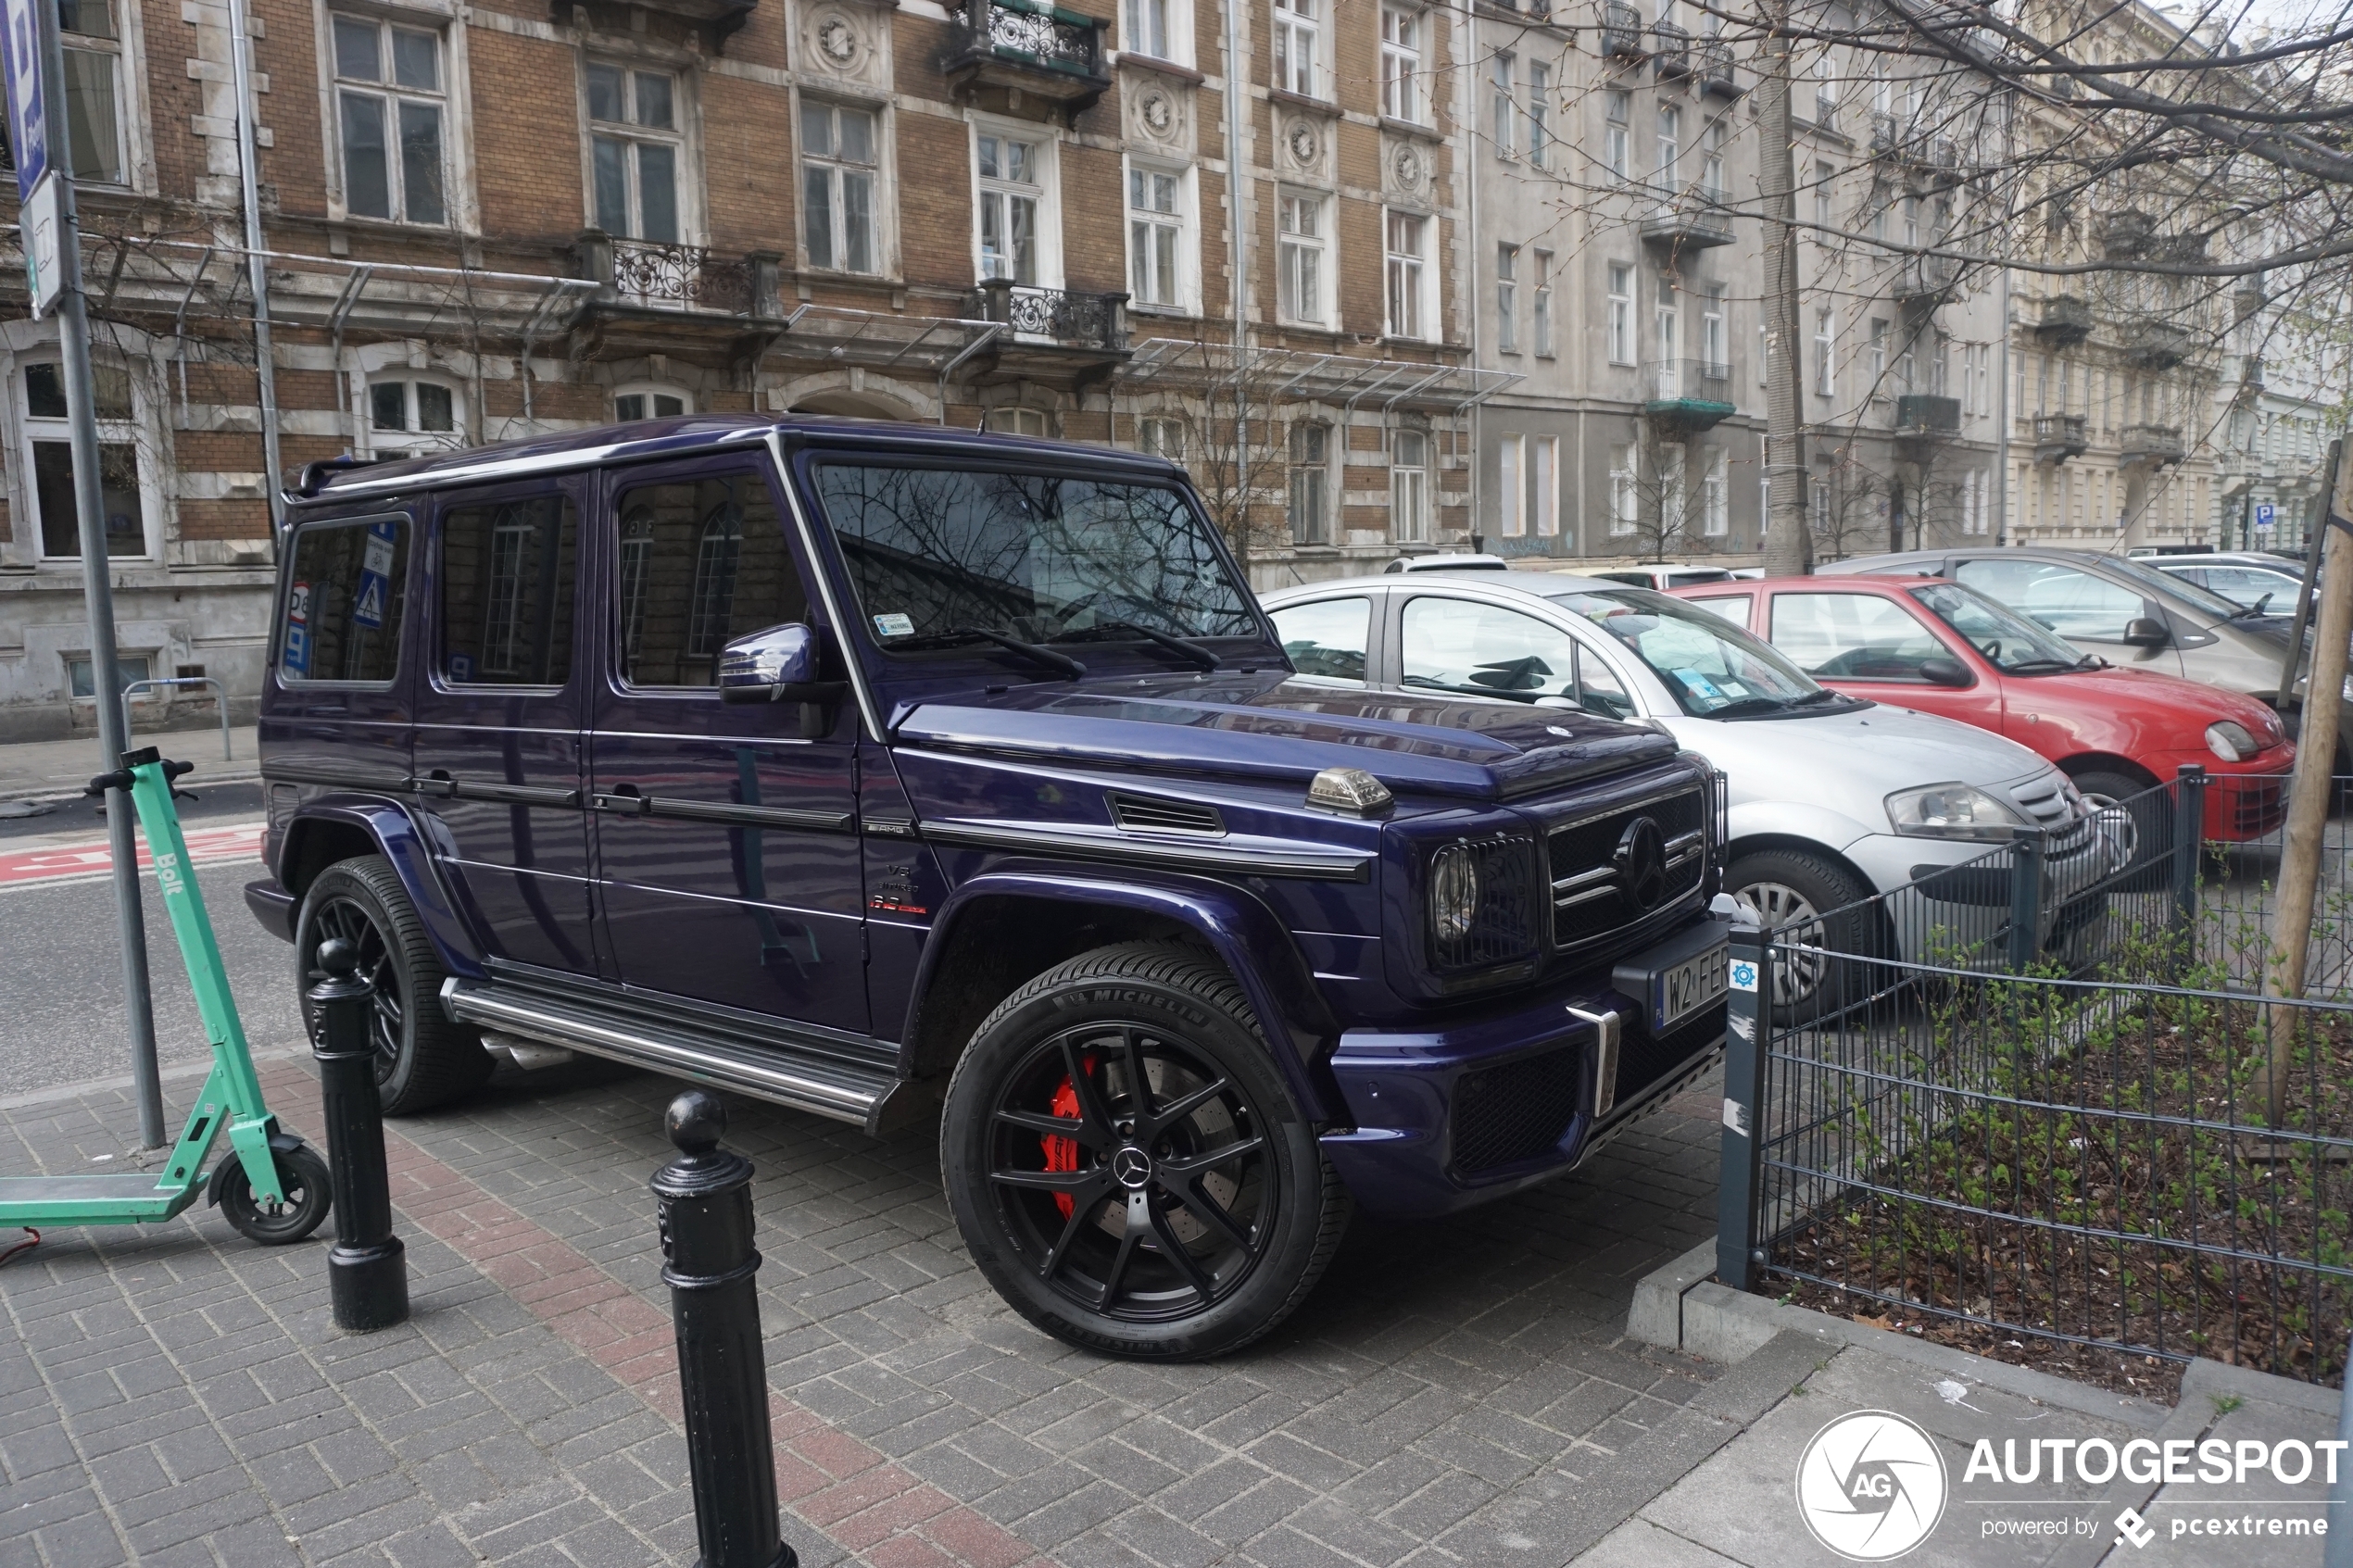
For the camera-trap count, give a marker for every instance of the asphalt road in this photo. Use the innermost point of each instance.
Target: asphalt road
(214, 803)
(61, 1011)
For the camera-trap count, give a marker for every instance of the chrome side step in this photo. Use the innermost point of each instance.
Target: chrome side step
(827, 1088)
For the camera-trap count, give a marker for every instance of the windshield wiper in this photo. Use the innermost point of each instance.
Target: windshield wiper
(1747, 707)
(1825, 694)
(1191, 652)
(2249, 612)
(2044, 666)
(958, 636)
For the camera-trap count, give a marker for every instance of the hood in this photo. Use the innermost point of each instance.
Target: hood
(1274, 727)
(1853, 761)
(2167, 703)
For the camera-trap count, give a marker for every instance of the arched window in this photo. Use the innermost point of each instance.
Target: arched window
(412, 414)
(716, 554)
(649, 400)
(1018, 422)
(636, 551)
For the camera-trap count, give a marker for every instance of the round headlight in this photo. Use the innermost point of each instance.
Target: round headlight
(1453, 892)
(2230, 742)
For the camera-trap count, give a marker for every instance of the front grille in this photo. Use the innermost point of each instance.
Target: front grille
(1588, 901)
(1165, 816)
(1517, 1112)
(2258, 806)
(2045, 801)
(1505, 926)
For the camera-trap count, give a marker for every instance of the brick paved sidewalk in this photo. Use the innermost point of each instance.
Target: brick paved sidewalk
(1455, 1393)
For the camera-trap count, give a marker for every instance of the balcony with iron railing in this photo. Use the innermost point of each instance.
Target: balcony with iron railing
(1715, 59)
(2066, 320)
(1927, 280)
(1621, 29)
(1885, 133)
(1066, 319)
(681, 294)
(1685, 397)
(1687, 222)
(2157, 345)
(1029, 52)
(1926, 414)
(2155, 444)
(2060, 436)
(1671, 50)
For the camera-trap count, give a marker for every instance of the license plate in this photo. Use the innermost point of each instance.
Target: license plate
(1680, 977)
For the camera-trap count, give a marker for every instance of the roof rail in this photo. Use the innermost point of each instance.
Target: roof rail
(315, 474)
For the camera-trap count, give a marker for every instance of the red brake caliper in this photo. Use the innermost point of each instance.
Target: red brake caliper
(1062, 1154)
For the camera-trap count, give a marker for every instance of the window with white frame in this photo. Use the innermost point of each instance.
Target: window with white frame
(1875, 357)
(839, 160)
(1161, 435)
(1825, 353)
(1543, 484)
(1015, 421)
(1621, 313)
(1302, 259)
(1504, 107)
(1716, 495)
(390, 103)
(1616, 112)
(1400, 63)
(1711, 172)
(1667, 327)
(1671, 514)
(1408, 274)
(1539, 306)
(49, 438)
(1309, 499)
(1507, 298)
(406, 414)
(1409, 487)
(1670, 146)
(1825, 92)
(1822, 210)
(1510, 491)
(1624, 498)
(649, 403)
(1714, 340)
(92, 37)
(1539, 113)
(1299, 46)
(1012, 197)
(635, 152)
(1157, 238)
(1911, 223)
(1148, 27)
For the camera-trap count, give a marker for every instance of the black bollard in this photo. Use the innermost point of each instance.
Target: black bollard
(368, 1270)
(707, 1263)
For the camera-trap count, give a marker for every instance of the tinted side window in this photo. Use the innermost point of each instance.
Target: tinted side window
(1486, 650)
(346, 590)
(701, 561)
(507, 592)
(1328, 638)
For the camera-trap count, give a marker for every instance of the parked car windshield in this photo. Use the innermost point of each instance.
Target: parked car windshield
(940, 556)
(2008, 641)
(1714, 669)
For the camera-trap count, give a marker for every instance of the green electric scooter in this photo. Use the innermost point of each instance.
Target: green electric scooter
(271, 1186)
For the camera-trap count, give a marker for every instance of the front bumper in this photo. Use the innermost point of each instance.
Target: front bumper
(1475, 1109)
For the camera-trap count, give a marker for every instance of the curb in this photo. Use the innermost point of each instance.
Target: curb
(239, 772)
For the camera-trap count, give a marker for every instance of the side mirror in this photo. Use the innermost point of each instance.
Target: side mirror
(2142, 633)
(1943, 672)
(780, 664)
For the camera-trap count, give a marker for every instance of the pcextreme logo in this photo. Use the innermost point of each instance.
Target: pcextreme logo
(1871, 1486)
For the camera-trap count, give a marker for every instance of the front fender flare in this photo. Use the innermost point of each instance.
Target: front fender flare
(400, 839)
(1244, 933)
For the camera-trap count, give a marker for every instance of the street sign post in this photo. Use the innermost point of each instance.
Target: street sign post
(34, 75)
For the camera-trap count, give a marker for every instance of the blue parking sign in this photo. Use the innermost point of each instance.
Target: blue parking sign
(2264, 513)
(28, 114)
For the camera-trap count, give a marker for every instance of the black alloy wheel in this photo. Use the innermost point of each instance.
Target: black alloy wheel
(1126, 1163)
(421, 1059)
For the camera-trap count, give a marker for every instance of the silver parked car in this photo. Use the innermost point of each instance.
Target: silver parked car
(1831, 798)
(2130, 614)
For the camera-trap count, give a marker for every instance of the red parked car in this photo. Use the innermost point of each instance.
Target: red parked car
(1940, 648)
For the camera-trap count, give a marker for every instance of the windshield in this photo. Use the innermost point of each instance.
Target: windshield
(1713, 668)
(2150, 580)
(2010, 642)
(940, 555)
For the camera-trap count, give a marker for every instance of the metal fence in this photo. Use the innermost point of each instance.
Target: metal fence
(2035, 1099)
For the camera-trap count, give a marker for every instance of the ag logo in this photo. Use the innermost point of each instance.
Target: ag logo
(1871, 1486)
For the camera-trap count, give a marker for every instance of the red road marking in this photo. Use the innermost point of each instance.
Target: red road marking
(55, 862)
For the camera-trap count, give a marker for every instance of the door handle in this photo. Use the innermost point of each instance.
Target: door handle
(437, 783)
(624, 800)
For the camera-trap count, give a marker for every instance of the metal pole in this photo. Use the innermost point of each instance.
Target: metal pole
(708, 1261)
(97, 591)
(2026, 899)
(2314, 783)
(256, 270)
(2002, 426)
(1747, 1043)
(368, 1270)
(2189, 846)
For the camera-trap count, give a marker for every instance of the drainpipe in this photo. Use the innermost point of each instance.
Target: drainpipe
(1476, 248)
(1238, 255)
(2001, 427)
(256, 269)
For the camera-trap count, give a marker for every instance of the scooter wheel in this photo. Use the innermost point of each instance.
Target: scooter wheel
(302, 1176)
